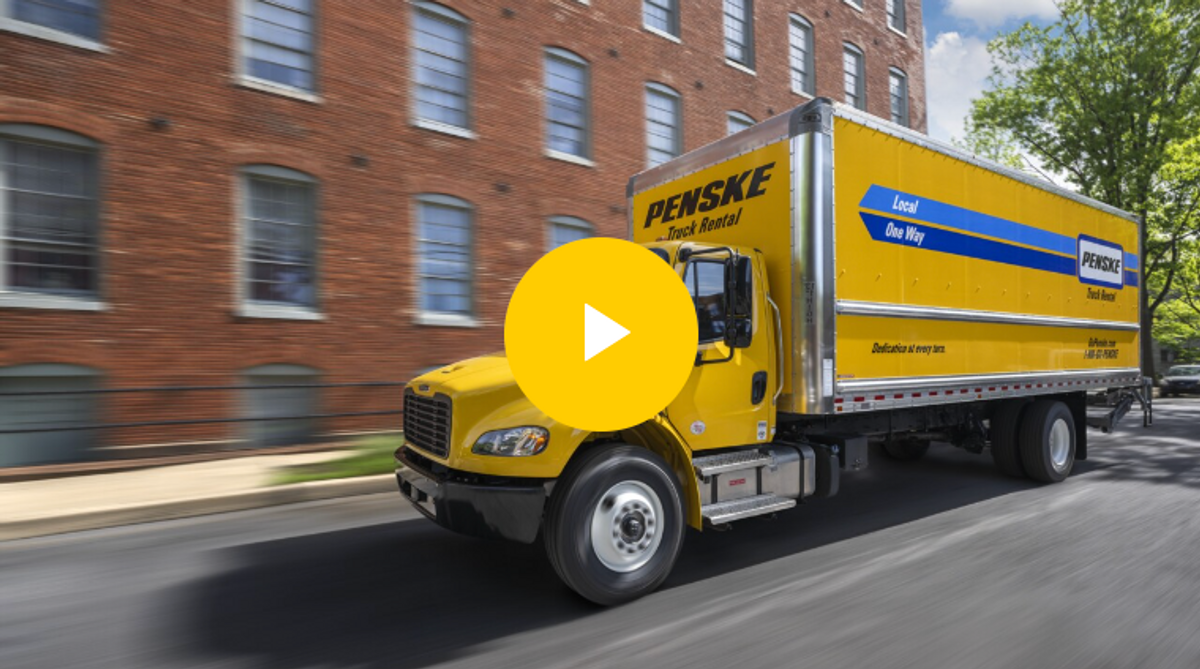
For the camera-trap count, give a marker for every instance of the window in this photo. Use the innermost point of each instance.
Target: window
(280, 416)
(441, 62)
(661, 16)
(74, 17)
(895, 14)
(279, 237)
(800, 48)
(737, 122)
(47, 396)
(567, 103)
(706, 281)
(857, 4)
(855, 80)
(739, 31)
(898, 91)
(49, 212)
(664, 136)
(567, 229)
(278, 43)
(444, 250)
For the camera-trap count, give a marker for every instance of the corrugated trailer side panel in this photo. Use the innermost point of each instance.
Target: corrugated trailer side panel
(950, 274)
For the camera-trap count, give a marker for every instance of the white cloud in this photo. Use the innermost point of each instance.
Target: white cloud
(992, 13)
(956, 69)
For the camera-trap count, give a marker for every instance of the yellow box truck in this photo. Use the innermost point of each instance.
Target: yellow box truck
(855, 284)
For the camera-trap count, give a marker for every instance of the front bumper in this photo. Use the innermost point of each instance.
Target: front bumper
(1181, 388)
(479, 507)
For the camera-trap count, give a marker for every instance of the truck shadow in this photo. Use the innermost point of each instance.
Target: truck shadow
(410, 594)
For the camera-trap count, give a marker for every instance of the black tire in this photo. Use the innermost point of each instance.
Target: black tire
(906, 449)
(1003, 432)
(579, 495)
(1037, 425)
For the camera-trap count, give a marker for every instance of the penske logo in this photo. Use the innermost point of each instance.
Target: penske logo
(1101, 263)
(713, 195)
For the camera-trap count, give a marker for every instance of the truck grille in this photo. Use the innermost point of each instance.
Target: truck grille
(427, 422)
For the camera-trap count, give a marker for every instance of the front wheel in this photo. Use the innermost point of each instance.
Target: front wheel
(615, 524)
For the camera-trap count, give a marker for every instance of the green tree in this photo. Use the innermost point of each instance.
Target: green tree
(1107, 97)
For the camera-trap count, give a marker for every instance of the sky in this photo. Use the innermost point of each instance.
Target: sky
(956, 59)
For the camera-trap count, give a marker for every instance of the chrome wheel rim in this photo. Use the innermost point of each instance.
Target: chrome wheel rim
(627, 526)
(1060, 444)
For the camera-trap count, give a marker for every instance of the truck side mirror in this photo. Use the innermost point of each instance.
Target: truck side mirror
(738, 287)
(739, 324)
(739, 332)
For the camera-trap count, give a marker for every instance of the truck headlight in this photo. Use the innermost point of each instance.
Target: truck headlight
(513, 442)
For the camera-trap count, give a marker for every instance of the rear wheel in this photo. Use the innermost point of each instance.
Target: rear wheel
(615, 524)
(1047, 441)
(1003, 432)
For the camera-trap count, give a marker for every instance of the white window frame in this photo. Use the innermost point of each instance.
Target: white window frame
(9, 23)
(810, 64)
(661, 89)
(572, 58)
(247, 307)
(674, 30)
(566, 222)
(42, 134)
(860, 75)
(901, 14)
(245, 79)
(748, 46)
(442, 12)
(443, 318)
(734, 116)
(906, 120)
(856, 4)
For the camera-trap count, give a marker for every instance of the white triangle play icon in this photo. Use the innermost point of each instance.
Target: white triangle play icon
(599, 332)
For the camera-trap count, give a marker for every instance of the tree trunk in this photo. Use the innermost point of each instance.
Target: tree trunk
(1147, 316)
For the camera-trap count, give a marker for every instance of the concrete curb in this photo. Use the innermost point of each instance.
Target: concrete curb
(241, 501)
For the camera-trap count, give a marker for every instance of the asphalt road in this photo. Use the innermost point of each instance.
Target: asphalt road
(942, 563)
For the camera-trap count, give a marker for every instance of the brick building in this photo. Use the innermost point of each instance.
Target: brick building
(220, 192)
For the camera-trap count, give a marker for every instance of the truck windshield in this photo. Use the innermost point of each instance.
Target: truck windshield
(1184, 371)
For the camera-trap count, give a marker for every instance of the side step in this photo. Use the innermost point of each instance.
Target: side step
(727, 512)
(728, 462)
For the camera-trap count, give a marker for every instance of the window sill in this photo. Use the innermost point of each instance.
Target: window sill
(802, 94)
(52, 35)
(15, 300)
(857, 7)
(279, 312)
(666, 36)
(569, 158)
(277, 89)
(897, 31)
(443, 128)
(738, 66)
(447, 320)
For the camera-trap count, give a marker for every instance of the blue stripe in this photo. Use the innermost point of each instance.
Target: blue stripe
(956, 243)
(1131, 260)
(950, 216)
(1131, 278)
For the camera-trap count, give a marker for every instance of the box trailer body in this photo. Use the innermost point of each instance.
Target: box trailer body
(866, 287)
(907, 272)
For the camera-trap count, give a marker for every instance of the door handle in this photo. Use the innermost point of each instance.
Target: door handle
(758, 387)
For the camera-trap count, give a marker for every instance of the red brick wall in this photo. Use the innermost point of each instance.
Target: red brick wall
(169, 222)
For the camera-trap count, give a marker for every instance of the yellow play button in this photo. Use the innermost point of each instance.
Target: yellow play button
(629, 355)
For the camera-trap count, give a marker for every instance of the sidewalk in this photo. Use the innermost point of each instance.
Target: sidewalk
(54, 506)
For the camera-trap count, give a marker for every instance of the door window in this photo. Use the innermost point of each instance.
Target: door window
(705, 280)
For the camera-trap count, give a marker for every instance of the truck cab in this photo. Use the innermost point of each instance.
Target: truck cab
(482, 460)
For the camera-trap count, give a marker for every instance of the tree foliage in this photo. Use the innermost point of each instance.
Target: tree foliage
(1107, 96)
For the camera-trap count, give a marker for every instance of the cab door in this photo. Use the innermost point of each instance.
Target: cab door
(729, 398)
